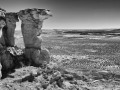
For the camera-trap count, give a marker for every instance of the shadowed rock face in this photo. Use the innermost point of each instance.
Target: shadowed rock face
(32, 20)
(2, 22)
(37, 57)
(2, 25)
(9, 29)
(7, 25)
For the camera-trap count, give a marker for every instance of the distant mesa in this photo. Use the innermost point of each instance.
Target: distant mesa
(94, 32)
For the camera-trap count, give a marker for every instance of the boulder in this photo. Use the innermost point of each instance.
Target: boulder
(6, 61)
(10, 59)
(37, 57)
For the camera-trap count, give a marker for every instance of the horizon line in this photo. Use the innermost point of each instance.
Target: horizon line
(77, 29)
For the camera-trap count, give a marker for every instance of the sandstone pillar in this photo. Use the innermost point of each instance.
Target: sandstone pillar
(32, 20)
(11, 19)
(2, 24)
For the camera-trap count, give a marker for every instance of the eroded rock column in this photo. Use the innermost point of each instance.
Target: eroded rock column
(8, 61)
(11, 19)
(32, 20)
(2, 25)
(2, 45)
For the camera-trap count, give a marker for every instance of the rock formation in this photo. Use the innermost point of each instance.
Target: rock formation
(11, 57)
(9, 29)
(2, 24)
(8, 61)
(32, 20)
(2, 12)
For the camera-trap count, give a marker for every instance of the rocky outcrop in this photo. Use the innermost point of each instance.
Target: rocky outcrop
(2, 24)
(32, 20)
(36, 57)
(11, 56)
(2, 12)
(8, 25)
(8, 30)
(8, 61)
(11, 19)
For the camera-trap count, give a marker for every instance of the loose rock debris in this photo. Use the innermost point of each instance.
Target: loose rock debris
(56, 78)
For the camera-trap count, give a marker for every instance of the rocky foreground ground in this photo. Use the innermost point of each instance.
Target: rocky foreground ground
(54, 76)
(71, 67)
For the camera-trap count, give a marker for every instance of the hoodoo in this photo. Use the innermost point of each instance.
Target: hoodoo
(32, 20)
(8, 60)
(11, 19)
(2, 24)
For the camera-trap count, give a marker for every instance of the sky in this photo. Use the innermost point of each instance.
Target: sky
(72, 14)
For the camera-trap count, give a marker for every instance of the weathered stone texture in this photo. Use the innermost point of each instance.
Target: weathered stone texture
(11, 19)
(2, 24)
(37, 57)
(32, 21)
(8, 24)
(29, 32)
